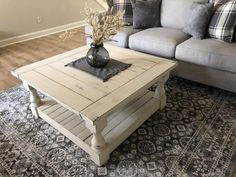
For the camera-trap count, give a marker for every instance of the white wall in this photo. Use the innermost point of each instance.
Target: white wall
(19, 17)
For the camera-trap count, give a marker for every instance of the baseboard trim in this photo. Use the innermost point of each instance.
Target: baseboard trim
(37, 34)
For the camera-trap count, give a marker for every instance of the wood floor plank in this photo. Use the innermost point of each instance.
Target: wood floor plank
(25, 53)
(27, 68)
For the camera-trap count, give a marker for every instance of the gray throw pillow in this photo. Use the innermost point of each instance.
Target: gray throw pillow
(198, 20)
(146, 14)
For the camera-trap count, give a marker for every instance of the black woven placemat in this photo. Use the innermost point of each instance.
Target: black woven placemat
(105, 73)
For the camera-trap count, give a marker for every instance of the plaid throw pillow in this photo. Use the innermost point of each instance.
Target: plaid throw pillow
(223, 21)
(124, 5)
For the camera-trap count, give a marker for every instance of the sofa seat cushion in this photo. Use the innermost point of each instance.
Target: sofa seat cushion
(121, 39)
(208, 52)
(157, 41)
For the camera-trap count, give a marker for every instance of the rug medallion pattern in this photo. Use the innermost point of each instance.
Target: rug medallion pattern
(193, 136)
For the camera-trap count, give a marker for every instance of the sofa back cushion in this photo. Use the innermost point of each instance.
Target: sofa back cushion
(146, 14)
(174, 13)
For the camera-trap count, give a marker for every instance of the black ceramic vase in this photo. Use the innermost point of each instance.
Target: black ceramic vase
(97, 56)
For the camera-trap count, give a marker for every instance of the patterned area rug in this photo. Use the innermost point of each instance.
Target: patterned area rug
(194, 135)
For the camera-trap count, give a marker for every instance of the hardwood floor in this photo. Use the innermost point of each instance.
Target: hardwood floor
(24, 53)
(31, 51)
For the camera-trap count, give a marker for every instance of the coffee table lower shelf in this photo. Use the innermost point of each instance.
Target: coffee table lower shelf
(120, 125)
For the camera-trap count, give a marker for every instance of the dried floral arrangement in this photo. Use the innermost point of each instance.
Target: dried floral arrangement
(104, 25)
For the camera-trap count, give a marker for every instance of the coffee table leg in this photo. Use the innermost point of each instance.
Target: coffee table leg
(160, 92)
(98, 143)
(35, 100)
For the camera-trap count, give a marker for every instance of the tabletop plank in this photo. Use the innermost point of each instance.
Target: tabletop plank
(69, 99)
(127, 92)
(77, 86)
(88, 78)
(24, 69)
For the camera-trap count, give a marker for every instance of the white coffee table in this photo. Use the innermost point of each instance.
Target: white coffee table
(97, 116)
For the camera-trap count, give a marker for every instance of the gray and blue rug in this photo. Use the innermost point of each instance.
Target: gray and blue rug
(194, 136)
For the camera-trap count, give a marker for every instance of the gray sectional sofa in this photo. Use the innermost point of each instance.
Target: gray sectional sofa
(208, 61)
